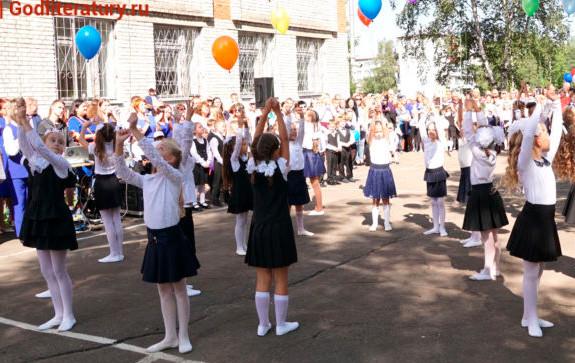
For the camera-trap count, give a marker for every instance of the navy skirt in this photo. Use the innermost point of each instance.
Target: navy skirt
(485, 209)
(380, 183)
(569, 209)
(464, 185)
(534, 237)
(313, 164)
(168, 257)
(297, 188)
(271, 245)
(436, 182)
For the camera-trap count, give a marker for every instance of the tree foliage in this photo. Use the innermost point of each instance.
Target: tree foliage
(384, 75)
(492, 39)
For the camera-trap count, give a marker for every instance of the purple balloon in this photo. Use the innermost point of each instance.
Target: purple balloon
(412, 2)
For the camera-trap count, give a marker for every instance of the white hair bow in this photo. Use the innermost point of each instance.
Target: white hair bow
(251, 167)
(267, 168)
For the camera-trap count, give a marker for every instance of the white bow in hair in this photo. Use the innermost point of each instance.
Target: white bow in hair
(267, 168)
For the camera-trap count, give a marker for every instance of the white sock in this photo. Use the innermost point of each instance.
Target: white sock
(240, 230)
(262, 300)
(531, 273)
(441, 212)
(435, 217)
(299, 221)
(374, 216)
(281, 303)
(202, 197)
(387, 213)
(475, 236)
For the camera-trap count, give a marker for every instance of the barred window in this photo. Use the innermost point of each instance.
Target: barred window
(255, 60)
(173, 53)
(77, 77)
(308, 70)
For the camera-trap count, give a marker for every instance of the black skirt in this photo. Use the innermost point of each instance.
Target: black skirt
(534, 236)
(271, 245)
(569, 209)
(297, 188)
(107, 192)
(55, 234)
(168, 256)
(241, 198)
(187, 226)
(464, 185)
(485, 209)
(436, 182)
(201, 175)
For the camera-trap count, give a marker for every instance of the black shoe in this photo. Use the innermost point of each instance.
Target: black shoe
(196, 207)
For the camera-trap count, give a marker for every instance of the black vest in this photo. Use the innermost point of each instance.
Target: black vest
(202, 149)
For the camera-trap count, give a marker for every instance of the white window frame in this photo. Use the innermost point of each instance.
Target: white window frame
(309, 73)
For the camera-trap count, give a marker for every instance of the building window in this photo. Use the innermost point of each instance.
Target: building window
(255, 60)
(77, 77)
(308, 71)
(173, 51)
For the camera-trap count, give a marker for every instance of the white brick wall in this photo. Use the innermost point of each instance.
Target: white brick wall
(28, 60)
(316, 14)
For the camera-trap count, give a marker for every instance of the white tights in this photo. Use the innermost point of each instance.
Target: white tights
(438, 212)
(201, 193)
(492, 252)
(175, 311)
(114, 232)
(241, 231)
(531, 276)
(53, 268)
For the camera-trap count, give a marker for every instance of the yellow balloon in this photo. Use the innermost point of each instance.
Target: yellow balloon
(280, 20)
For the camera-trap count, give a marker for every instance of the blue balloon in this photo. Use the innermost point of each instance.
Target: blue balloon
(88, 41)
(569, 6)
(567, 77)
(370, 8)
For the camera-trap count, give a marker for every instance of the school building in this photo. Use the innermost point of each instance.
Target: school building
(167, 46)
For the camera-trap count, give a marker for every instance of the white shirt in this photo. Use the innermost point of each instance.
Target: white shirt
(539, 184)
(464, 155)
(39, 156)
(197, 157)
(161, 190)
(380, 151)
(214, 143)
(434, 151)
(108, 166)
(482, 165)
(184, 135)
(296, 161)
(10, 142)
(311, 131)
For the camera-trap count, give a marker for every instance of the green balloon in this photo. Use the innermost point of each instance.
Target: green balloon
(530, 6)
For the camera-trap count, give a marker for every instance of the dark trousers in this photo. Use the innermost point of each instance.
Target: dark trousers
(345, 165)
(416, 139)
(216, 182)
(332, 163)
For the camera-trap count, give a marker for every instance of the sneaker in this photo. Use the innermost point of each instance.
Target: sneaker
(542, 323)
(263, 330)
(431, 231)
(305, 233)
(111, 259)
(388, 227)
(44, 295)
(191, 291)
(373, 228)
(472, 244)
(316, 213)
(442, 232)
(240, 252)
(286, 328)
(481, 276)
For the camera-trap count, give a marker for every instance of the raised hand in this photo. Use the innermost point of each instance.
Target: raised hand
(122, 136)
(133, 120)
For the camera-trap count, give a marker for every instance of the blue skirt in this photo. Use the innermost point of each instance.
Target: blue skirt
(313, 164)
(436, 182)
(168, 256)
(297, 188)
(380, 183)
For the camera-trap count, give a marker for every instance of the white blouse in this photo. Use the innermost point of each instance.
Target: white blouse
(311, 131)
(39, 156)
(161, 190)
(537, 177)
(295, 147)
(482, 165)
(380, 151)
(108, 166)
(434, 151)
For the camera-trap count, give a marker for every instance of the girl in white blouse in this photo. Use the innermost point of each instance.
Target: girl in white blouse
(434, 147)
(534, 237)
(168, 259)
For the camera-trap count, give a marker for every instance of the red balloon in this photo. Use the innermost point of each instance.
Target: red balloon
(364, 19)
(573, 71)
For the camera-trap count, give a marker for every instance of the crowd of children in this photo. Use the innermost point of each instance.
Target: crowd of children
(260, 161)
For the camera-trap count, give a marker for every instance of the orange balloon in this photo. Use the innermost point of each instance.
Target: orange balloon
(225, 51)
(364, 19)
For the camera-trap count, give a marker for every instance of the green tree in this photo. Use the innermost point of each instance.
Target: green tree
(384, 75)
(495, 34)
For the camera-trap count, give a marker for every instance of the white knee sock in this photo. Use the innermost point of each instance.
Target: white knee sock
(281, 303)
(374, 216)
(531, 273)
(387, 213)
(262, 300)
(240, 230)
(108, 220)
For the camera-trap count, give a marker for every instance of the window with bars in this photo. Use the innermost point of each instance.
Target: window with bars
(308, 70)
(77, 77)
(173, 53)
(255, 60)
